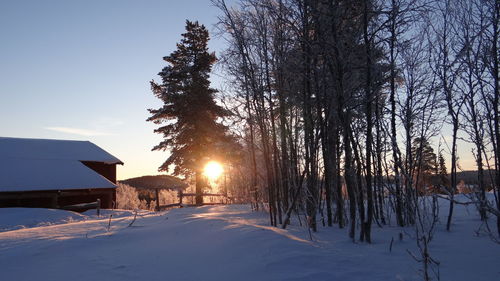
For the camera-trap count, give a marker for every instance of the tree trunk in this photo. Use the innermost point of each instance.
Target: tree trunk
(392, 100)
(200, 184)
(369, 125)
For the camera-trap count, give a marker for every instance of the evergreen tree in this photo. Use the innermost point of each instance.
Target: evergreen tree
(423, 153)
(189, 114)
(443, 180)
(442, 177)
(424, 162)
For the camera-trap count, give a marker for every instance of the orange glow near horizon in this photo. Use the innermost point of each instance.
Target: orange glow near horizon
(213, 170)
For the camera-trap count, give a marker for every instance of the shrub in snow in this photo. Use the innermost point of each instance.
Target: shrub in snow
(148, 205)
(130, 198)
(127, 197)
(169, 197)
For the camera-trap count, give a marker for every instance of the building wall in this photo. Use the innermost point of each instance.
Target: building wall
(58, 198)
(106, 170)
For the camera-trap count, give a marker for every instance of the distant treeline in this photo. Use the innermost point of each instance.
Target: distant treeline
(471, 177)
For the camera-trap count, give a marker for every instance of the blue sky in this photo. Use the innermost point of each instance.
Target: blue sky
(81, 70)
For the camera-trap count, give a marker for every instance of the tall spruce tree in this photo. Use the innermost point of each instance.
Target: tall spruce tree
(424, 163)
(442, 172)
(189, 114)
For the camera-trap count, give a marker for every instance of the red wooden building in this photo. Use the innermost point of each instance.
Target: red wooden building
(45, 173)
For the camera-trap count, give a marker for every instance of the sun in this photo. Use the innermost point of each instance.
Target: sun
(213, 170)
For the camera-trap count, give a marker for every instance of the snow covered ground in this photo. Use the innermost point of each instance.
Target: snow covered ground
(18, 218)
(227, 243)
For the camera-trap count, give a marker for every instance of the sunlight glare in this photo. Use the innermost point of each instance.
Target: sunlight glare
(213, 170)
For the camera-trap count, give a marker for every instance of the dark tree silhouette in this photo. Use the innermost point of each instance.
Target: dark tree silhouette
(442, 172)
(189, 115)
(425, 163)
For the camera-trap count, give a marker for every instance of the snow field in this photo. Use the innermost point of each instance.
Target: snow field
(233, 243)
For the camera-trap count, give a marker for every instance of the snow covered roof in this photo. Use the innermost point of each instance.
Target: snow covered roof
(42, 174)
(40, 164)
(54, 149)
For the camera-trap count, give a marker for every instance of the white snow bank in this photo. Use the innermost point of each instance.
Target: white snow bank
(22, 218)
(16, 218)
(117, 213)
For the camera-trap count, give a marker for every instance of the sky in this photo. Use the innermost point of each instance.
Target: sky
(81, 69)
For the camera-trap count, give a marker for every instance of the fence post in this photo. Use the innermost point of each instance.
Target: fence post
(98, 207)
(157, 199)
(180, 194)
